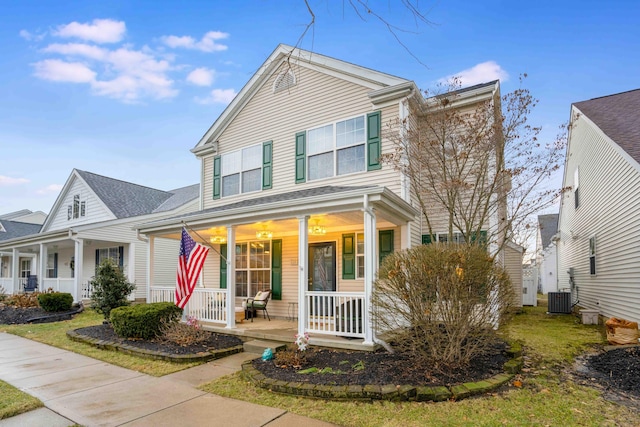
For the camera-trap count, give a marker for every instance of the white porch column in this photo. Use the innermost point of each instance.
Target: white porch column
(303, 273)
(231, 276)
(370, 268)
(78, 256)
(42, 273)
(405, 236)
(150, 243)
(131, 269)
(15, 270)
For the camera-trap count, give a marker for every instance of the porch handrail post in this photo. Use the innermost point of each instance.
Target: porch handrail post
(15, 266)
(44, 255)
(370, 267)
(303, 265)
(231, 277)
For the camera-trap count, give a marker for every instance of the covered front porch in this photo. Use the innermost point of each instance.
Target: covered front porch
(316, 251)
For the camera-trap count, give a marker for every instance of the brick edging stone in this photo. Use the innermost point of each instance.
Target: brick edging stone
(152, 354)
(389, 392)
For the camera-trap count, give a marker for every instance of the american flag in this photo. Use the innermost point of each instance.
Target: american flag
(190, 262)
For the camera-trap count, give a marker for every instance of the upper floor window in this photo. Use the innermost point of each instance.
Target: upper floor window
(339, 148)
(592, 255)
(576, 187)
(242, 171)
(78, 209)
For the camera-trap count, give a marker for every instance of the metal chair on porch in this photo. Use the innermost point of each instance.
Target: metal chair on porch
(259, 302)
(31, 284)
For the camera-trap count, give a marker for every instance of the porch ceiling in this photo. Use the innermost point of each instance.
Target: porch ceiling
(336, 208)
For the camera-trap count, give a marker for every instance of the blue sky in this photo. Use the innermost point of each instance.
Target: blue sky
(126, 88)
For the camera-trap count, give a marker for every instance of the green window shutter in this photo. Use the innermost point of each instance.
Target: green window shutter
(97, 259)
(427, 239)
(385, 243)
(276, 269)
(301, 160)
(349, 256)
(374, 141)
(121, 257)
(217, 170)
(267, 167)
(223, 266)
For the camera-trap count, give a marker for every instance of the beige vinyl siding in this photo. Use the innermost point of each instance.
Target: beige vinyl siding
(165, 261)
(513, 266)
(95, 211)
(609, 207)
(317, 99)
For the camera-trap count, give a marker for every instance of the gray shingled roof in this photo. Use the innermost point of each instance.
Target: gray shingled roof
(180, 197)
(14, 229)
(123, 198)
(618, 116)
(292, 195)
(548, 225)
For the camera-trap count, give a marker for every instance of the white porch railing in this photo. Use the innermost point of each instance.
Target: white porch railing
(58, 285)
(7, 284)
(208, 305)
(335, 313)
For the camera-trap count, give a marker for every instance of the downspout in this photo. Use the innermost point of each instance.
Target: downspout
(376, 340)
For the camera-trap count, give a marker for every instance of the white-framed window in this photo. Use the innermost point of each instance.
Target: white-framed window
(25, 268)
(359, 255)
(576, 187)
(337, 148)
(592, 255)
(253, 267)
(77, 209)
(241, 171)
(115, 254)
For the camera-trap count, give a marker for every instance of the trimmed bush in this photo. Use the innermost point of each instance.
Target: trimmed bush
(143, 320)
(57, 301)
(110, 288)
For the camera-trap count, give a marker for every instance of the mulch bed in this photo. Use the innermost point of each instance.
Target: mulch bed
(617, 369)
(214, 342)
(14, 316)
(381, 368)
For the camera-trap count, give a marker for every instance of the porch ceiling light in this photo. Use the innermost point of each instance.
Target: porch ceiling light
(217, 239)
(264, 234)
(317, 229)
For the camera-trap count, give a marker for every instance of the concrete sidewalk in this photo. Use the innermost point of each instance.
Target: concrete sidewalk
(82, 390)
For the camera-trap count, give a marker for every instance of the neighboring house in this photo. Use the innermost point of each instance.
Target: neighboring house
(599, 253)
(25, 215)
(546, 254)
(294, 197)
(12, 226)
(93, 218)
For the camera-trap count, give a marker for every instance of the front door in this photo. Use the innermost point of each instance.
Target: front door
(322, 267)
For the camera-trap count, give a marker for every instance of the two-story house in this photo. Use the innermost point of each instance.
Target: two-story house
(294, 198)
(93, 218)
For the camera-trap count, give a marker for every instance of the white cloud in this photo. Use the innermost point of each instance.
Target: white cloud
(218, 96)
(77, 49)
(50, 189)
(206, 44)
(480, 73)
(30, 37)
(6, 181)
(61, 71)
(98, 31)
(201, 76)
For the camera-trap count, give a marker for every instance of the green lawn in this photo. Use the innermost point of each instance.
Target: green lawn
(546, 397)
(14, 402)
(55, 334)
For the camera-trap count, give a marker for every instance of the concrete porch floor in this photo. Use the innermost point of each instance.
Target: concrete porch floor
(281, 330)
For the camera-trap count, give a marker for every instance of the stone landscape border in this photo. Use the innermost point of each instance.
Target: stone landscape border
(390, 392)
(153, 354)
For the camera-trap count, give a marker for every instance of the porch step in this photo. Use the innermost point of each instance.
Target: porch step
(258, 346)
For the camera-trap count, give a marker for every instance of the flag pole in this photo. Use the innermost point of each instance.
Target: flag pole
(204, 241)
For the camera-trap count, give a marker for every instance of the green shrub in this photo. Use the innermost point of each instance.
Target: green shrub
(143, 320)
(55, 301)
(110, 288)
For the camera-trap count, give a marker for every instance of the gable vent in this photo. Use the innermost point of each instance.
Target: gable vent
(285, 80)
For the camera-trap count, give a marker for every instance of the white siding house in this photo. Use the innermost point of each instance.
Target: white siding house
(93, 218)
(295, 198)
(546, 253)
(599, 253)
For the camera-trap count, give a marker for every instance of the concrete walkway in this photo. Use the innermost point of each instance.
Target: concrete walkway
(82, 390)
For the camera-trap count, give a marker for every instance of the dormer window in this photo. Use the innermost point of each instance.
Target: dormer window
(284, 81)
(78, 209)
